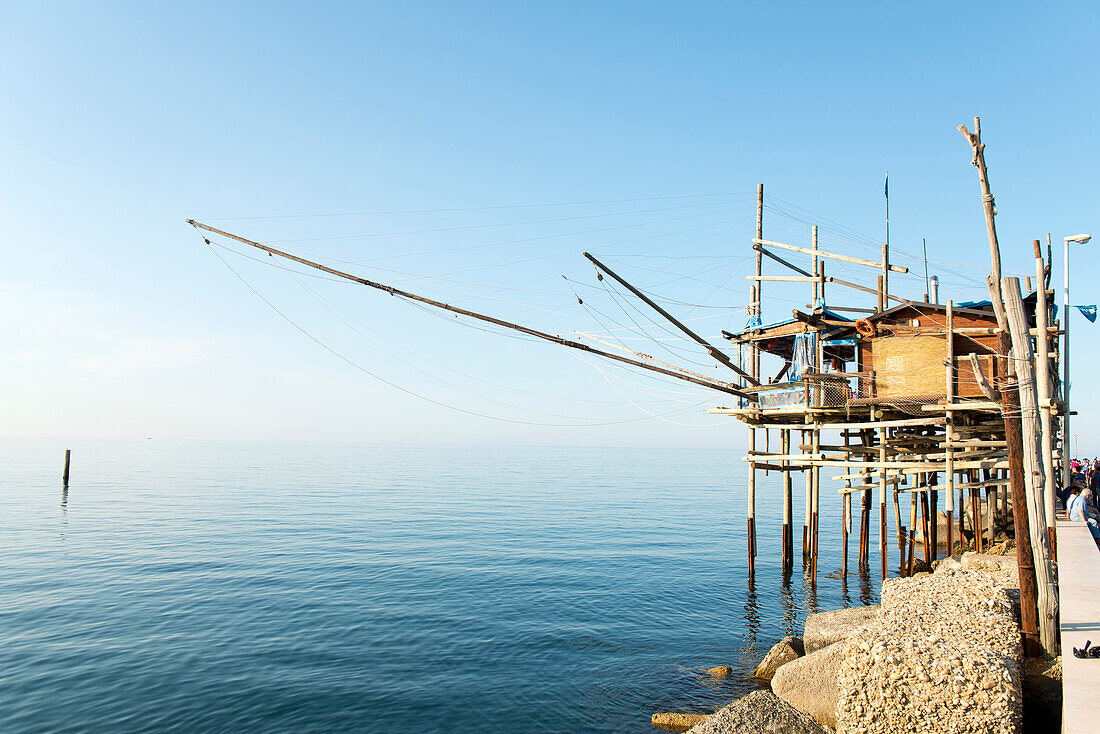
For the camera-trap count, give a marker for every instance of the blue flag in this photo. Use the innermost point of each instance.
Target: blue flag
(1089, 312)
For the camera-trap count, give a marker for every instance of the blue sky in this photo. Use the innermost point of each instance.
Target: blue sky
(511, 137)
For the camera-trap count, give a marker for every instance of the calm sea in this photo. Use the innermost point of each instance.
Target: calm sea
(201, 586)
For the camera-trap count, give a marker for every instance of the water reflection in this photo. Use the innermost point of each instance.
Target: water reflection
(790, 609)
(752, 611)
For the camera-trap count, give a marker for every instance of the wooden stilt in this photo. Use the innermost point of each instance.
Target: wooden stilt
(788, 537)
(882, 489)
(846, 526)
(751, 529)
(808, 517)
(899, 530)
(909, 571)
(914, 500)
(933, 506)
(929, 545)
(815, 472)
(962, 517)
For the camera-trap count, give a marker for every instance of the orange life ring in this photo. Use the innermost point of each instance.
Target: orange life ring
(865, 327)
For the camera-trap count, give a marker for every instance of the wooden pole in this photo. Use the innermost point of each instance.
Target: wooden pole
(808, 516)
(913, 501)
(929, 534)
(750, 525)
(785, 442)
(1042, 380)
(882, 489)
(816, 473)
(989, 207)
(933, 506)
(813, 264)
(865, 507)
(846, 528)
(65, 473)
(909, 570)
(717, 354)
(1029, 610)
(949, 462)
(1034, 464)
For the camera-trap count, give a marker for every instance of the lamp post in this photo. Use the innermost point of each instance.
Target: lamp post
(1080, 239)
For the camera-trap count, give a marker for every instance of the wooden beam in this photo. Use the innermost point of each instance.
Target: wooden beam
(781, 261)
(830, 255)
(782, 278)
(714, 352)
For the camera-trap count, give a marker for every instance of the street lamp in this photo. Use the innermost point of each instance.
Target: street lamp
(1080, 239)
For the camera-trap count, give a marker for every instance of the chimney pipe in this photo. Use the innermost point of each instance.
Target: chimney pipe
(934, 287)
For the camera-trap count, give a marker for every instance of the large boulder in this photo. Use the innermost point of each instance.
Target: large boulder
(943, 656)
(784, 651)
(760, 712)
(824, 629)
(809, 683)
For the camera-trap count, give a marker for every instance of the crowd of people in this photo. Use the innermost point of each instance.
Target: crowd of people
(1079, 498)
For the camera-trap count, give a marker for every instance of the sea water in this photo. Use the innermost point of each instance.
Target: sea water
(211, 587)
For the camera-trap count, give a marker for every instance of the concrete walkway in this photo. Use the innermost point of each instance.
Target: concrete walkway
(1079, 596)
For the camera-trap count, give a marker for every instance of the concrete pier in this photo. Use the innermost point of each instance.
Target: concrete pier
(1079, 593)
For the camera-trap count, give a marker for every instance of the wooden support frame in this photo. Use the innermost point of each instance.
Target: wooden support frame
(830, 255)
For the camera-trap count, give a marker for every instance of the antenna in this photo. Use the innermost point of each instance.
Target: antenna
(924, 245)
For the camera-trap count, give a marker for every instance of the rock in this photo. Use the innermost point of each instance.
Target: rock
(784, 651)
(672, 721)
(946, 565)
(1042, 681)
(760, 712)
(809, 683)
(824, 629)
(941, 536)
(720, 671)
(943, 655)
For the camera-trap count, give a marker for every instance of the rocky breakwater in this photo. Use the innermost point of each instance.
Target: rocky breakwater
(943, 655)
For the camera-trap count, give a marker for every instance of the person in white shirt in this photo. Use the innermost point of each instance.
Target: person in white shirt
(1079, 512)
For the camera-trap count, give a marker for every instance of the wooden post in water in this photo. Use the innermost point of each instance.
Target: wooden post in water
(882, 489)
(807, 526)
(816, 473)
(785, 443)
(865, 506)
(751, 522)
(754, 357)
(65, 473)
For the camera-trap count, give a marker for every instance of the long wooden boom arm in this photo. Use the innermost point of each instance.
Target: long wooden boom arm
(713, 384)
(711, 350)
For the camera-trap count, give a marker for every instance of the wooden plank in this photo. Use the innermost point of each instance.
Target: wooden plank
(831, 255)
(782, 278)
(938, 421)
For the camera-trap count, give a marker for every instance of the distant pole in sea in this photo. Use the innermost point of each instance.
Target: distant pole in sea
(65, 474)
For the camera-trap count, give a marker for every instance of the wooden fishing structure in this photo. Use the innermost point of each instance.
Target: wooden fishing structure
(900, 401)
(945, 405)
